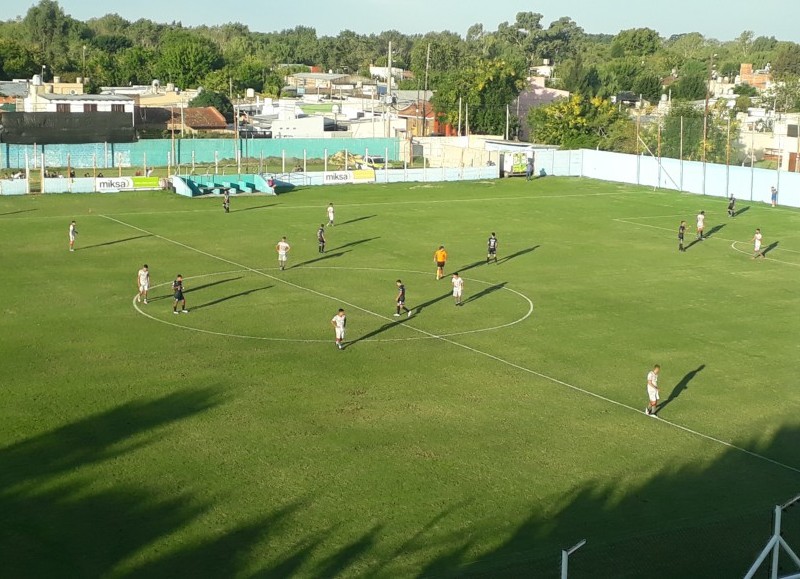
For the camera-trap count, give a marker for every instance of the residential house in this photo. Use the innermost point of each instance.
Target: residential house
(535, 95)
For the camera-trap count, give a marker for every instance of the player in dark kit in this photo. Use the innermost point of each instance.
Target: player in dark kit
(492, 248)
(321, 238)
(177, 289)
(401, 300)
(681, 233)
(732, 206)
(226, 201)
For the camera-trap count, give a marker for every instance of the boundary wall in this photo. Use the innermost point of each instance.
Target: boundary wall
(744, 183)
(158, 152)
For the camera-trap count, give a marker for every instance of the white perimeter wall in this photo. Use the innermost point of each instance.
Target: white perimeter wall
(688, 176)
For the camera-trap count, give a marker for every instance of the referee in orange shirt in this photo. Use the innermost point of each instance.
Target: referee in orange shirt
(440, 258)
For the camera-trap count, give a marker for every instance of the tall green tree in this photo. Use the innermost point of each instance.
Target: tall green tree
(580, 122)
(487, 87)
(637, 42)
(185, 60)
(787, 61)
(47, 27)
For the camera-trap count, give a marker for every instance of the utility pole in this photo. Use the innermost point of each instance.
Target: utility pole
(425, 94)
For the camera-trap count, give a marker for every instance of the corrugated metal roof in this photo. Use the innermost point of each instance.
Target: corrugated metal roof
(14, 89)
(86, 97)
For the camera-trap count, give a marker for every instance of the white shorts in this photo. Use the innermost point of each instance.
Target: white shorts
(282, 255)
(144, 287)
(652, 393)
(339, 333)
(757, 246)
(456, 293)
(72, 238)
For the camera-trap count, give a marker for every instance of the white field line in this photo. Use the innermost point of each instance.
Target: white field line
(321, 207)
(732, 241)
(733, 246)
(482, 353)
(142, 311)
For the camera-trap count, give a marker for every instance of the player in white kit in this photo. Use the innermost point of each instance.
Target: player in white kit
(73, 233)
(701, 224)
(458, 288)
(339, 323)
(143, 283)
(652, 391)
(283, 249)
(330, 214)
(757, 244)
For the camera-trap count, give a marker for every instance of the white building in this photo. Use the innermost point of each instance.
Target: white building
(78, 103)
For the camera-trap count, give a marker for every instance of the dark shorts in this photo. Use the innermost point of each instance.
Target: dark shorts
(179, 296)
(401, 301)
(439, 264)
(492, 250)
(680, 236)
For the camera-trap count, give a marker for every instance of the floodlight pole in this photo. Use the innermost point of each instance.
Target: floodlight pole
(565, 553)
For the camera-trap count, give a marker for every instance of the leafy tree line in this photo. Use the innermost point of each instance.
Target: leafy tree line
(485, 69)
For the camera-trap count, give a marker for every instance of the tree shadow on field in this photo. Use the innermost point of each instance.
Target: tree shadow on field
(680, 387)
(485, 292)
(714, 230)
(61, 518)
(112, 242)
(231, 297)
(518, 254)
(770, 247)
(742, 210)
(715, 513)
(73, 505)
(356, 220)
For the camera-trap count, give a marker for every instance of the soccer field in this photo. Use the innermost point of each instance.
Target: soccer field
(237, 440)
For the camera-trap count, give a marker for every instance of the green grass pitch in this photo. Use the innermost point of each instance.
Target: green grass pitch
(237, 441)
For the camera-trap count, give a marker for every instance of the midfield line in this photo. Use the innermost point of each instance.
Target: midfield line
(467, 348)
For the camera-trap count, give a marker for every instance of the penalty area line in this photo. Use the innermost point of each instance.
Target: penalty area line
(471, 349)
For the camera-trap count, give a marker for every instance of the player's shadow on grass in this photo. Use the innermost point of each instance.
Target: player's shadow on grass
(195, 289)
(231, 297)
(472, 265)
(770, 247)
(355, 220)
(20, 211)
(692, 244)
(112, 242)
(680, 387)
(354, 243)
(256, 207)
(484, 292)
(377, 332)
(742, 210)
(323, 257)
(714, 230)
(519, 253)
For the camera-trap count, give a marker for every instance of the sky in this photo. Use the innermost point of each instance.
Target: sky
(723, 20)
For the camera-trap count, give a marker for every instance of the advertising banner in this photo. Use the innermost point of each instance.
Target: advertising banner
(349, 177)
(114, 184)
